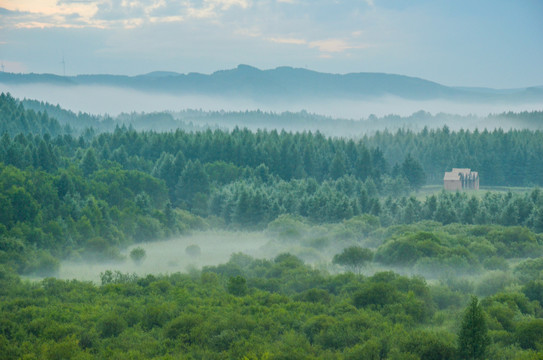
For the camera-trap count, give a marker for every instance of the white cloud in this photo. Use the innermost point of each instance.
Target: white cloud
(166, 19)
(330, 45)
(110, 13)
(335, 45)
(290, 41)
(202, 13)
(212, 8)
(226, 4)
(252, 32)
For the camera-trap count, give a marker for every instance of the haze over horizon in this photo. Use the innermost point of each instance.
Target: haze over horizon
(493, 44)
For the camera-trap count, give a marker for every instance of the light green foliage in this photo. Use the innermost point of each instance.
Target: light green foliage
(530, 270)
(87, 195)
(278, 308)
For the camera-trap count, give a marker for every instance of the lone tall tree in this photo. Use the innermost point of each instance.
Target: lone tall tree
(473, 338)
(354, 258)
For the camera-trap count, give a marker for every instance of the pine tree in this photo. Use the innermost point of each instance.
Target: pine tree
(338, 168)
(413, 172)
(473, 338)
(89, 164)
(193, 180)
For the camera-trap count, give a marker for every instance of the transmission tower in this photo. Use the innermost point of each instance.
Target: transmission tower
(63, 66)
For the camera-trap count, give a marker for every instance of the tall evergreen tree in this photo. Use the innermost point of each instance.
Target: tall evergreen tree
(413, 172)
(193, 180)
(89, 164)
(473, 339)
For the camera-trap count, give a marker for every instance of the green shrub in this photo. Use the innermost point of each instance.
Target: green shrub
(193, 250)
(111, 325)
(237, 285)
(137, 255)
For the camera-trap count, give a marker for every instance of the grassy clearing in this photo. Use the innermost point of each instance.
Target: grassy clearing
(428, 190)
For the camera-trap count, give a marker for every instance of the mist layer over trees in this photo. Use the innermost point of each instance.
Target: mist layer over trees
(356, 258)
(357, 124)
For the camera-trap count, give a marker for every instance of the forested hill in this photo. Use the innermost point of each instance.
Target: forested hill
(503, 158)
(283, 83)
(95, 192)
(200, 120)
(86, 197)
(15, 119)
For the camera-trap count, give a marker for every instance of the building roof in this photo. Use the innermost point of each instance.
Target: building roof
(451, 176)
(464, 171)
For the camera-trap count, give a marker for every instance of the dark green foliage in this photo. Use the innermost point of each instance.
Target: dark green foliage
(247, 179)
(89, 163)
(530, 334)
(111, 325)
(17, 119)
(473, 339)
(510, 158)
(182, 327)
(413, 172)
(375, 294)
(429, 346)
(534, 290)
(192, 181)
(407, 250)
(92, 194)
(237, 285)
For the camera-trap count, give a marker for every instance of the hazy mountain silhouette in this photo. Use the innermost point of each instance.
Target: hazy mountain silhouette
(285, 83)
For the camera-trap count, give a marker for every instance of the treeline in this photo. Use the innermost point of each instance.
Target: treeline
(71, 193)
(17, 119)
(504, 158)
(46, 217)
(425, 248)
(85, 196)
(78, 123)
(199, 120)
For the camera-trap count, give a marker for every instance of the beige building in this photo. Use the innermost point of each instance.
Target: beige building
(461, 179)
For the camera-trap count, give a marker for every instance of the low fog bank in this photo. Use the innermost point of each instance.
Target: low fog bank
(171, 256)
(315, 246)
(215, 248)
(114, 101)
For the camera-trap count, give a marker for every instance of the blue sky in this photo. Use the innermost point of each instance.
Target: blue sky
(484, 43)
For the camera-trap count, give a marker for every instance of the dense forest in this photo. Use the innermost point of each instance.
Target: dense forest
(379, 270)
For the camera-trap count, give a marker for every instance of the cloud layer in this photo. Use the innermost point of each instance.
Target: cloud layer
(456, 43)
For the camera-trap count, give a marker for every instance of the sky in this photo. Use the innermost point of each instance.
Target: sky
(483, 43)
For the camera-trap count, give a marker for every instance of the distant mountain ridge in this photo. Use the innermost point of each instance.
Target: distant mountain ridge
(284, 83)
